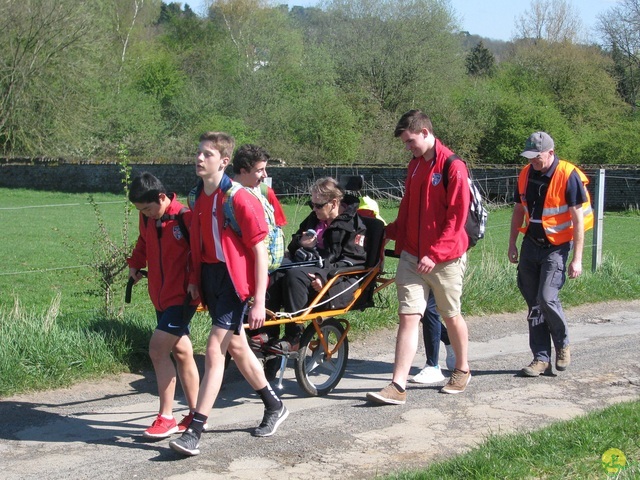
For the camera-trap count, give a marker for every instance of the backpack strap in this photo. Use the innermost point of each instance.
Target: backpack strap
(229, 188)
(179, 217)
(182, 224)
(445, 169)
(194, 193)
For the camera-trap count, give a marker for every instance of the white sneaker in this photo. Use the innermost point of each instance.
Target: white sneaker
(451, 358)
(428, 375)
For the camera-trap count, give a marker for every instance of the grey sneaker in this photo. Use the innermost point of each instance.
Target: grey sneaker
(270, 422)
(389, 395)
(458, 382)
(563, 358)
(187, 444)
(537, 368)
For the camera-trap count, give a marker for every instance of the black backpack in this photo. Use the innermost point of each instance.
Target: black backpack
(477, 217)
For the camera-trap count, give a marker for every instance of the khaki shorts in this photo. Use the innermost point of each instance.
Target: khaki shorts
(445, 280)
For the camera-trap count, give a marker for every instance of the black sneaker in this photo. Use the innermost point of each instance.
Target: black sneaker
(271, 421)
(187, 444)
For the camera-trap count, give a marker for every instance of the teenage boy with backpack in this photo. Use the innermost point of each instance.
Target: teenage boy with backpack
(163, 247)
(432, 242)
(249, 170)
(230, 275)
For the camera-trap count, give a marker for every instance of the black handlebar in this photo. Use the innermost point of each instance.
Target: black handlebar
(130, 282)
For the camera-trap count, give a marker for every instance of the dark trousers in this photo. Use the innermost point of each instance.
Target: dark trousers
(541, 275)
(289, 289)
(433, 331)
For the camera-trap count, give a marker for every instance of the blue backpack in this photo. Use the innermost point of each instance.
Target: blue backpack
(274, 240)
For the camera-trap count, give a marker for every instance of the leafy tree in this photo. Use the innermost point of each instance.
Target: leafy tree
(515, 119)
(617, 144)
(480, 61)
(272, 81)
(619, 28)
(159, 77)
(169, 11)
(575, 77)
(42, 48)
(550, 20)
(396, 53)
(389, 56)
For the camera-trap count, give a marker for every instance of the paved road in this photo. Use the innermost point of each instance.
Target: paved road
(93, 430)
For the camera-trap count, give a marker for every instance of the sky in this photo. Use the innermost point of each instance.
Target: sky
(489, 18)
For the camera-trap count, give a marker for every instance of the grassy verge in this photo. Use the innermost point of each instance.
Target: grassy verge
(49, 239)
(565, 450)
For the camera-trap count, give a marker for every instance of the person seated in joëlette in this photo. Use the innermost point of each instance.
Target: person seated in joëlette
(336, 232)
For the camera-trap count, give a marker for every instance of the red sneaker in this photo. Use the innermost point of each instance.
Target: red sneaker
(184, 423)
(161, 428)
(186, 420)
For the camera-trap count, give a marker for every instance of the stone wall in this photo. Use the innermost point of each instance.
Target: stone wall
(622, 183)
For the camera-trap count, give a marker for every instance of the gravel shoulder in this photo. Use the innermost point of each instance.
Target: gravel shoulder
(93, 430)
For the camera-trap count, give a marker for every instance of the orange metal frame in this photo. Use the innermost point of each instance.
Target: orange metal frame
(371, 275)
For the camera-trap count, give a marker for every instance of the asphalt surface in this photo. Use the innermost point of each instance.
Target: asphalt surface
(93, 430)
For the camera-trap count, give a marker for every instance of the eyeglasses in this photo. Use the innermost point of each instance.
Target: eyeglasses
(316, 206)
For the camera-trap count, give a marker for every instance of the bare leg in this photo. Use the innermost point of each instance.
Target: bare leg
(160, 347)
(213, 369)
(187, 370)
(247, 362)
(459, 337)
(406, 347)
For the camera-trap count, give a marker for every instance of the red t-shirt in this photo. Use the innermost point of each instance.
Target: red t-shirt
(209, 242)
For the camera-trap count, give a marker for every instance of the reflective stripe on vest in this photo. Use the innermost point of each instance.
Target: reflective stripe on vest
(556, 218)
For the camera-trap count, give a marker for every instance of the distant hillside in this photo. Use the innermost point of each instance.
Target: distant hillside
(499, 48)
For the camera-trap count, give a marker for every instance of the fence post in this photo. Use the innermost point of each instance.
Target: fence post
(598, 218)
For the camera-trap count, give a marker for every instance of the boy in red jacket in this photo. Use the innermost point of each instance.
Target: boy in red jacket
(163, 247)
(432, 242)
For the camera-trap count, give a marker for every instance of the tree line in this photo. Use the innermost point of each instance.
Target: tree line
(315, 86)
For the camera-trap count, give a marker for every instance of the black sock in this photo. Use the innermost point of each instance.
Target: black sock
(197, 424)
(269, 398)
(398, 387)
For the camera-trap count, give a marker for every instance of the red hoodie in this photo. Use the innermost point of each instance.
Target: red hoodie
(167, 258)
(431, 219)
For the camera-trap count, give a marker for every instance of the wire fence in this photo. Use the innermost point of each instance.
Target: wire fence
(389, 192)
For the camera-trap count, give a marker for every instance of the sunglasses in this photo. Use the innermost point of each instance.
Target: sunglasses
(316, 206)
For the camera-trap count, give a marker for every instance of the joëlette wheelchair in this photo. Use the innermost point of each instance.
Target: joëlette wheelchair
(321, 359)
